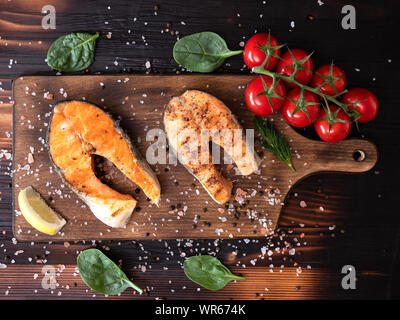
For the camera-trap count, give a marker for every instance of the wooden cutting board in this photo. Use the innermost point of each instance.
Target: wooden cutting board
(186, 209)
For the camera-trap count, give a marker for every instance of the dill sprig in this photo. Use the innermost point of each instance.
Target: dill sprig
(273, 141)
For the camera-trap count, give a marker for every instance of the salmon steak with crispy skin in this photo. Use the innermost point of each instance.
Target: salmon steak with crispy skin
(79, 130)
(207, 119)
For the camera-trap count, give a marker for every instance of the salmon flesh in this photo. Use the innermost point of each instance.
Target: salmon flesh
(79, 130)
(199, 112)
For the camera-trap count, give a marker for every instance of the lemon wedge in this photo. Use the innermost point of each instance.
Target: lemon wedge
(38, 213)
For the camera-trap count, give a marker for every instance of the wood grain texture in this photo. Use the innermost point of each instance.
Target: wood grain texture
(138, 102)
(258, 286)
(349, 219)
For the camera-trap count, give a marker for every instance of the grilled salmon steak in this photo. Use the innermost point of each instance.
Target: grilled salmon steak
(77, 131)
(194, 119)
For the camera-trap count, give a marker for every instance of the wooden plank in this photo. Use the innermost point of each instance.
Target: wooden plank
(138, 101)
(359, 210)
(261, 284)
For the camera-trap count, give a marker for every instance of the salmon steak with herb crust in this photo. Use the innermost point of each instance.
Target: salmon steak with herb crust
(79, 130)
(206, 119)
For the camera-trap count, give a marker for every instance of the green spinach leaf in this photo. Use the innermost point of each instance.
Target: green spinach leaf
(72, 52)
(208, 272)
(102, 274)
(202, 52)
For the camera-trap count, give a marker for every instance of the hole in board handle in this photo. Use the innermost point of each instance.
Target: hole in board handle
(359, 155)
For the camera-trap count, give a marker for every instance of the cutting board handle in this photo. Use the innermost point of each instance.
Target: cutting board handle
(351, 155)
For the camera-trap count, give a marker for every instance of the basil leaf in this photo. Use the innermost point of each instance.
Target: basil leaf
(102, 274)
(202, 52)
(208, 272)
(72, 52)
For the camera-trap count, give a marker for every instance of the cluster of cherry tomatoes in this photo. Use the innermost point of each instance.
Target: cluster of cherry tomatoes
(286, 93)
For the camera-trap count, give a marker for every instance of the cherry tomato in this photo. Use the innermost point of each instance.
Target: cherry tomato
(300, 118)
(366, 103)
(260, 105)
(304, 75)
(338, 131)
(253, 56)
(336, 76)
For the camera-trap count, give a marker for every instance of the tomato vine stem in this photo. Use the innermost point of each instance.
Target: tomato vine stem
(274, 75)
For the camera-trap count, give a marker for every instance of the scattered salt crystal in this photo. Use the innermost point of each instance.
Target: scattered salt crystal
(30, 158)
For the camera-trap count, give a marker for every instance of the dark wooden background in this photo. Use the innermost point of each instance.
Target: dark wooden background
(360, 223)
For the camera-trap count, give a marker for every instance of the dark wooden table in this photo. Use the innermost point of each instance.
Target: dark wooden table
(349, 219)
